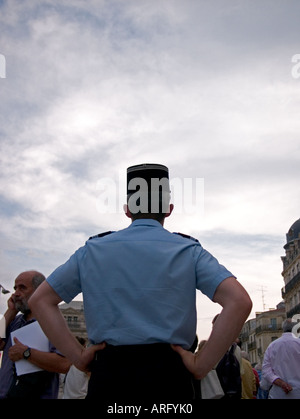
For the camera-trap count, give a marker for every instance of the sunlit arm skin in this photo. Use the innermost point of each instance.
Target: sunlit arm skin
(237, 306)
(44, 306)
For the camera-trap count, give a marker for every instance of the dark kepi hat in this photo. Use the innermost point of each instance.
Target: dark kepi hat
(147, 171)
(149, 181)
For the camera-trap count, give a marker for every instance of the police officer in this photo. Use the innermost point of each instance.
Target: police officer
(139, 290)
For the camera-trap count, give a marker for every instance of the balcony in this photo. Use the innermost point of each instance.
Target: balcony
(269, 328)
(293, 311)
(290, 285)
(251, 346)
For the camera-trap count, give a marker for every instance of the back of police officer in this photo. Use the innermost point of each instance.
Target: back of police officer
(139, 290)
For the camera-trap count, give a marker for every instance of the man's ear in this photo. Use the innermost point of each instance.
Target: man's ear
(126, 210)
(171, 207)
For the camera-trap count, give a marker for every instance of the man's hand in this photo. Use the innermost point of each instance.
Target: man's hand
(284, 385)
(189, 360)
(16, 351)
(87, 356)
(11, 303)
(11, 311)
(192, 362)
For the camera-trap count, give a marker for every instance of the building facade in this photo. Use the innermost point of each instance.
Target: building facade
(258, 333)
(291, 271)
(74, 316)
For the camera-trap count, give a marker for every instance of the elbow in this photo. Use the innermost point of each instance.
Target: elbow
(241, 305)
(248, 304)
(59, 364)
(241, 299)
(245, 306)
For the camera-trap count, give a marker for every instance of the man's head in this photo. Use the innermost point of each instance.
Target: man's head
(148, 192)
(25, 285)
(288, 325)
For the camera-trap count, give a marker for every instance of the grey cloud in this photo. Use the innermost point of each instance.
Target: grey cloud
(92, 87)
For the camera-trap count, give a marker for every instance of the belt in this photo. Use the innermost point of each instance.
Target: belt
(142, 349)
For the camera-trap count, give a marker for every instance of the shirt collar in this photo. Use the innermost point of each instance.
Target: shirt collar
(146, 222)
(25, 322)
(288, 335)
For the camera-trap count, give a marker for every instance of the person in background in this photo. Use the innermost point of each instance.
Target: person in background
(42, 384)
(281, 366)
(261, 394)
(76, 381)
(230, 369)
(248, 378)
(256, 381)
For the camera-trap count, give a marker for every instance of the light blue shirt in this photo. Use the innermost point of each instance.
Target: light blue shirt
(139, 284)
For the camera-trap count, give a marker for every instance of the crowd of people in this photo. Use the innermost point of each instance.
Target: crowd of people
(277, 378)
(139, 291)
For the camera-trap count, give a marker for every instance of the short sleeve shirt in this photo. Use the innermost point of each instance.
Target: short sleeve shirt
(7, 367)
(139, 284)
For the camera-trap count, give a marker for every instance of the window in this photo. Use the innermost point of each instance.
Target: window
(274, 324)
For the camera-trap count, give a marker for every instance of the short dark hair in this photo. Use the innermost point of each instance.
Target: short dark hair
(37, 279)
(156, 215)
(288, 325)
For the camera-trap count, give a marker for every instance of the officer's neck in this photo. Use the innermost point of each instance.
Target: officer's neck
(160, 221)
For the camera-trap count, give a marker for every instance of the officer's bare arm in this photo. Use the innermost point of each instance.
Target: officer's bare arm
(44, 306)
(236, 305)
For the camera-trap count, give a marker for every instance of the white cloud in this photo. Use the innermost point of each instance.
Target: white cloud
(95, 86)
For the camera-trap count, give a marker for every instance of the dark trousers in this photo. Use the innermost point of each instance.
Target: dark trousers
(139, 372)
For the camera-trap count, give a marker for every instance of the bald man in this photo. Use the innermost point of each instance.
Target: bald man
(37, 385)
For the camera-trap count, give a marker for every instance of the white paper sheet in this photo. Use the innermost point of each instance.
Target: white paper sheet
(32, 336)
(2, 327)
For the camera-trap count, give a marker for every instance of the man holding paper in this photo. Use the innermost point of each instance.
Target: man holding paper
(35, 371)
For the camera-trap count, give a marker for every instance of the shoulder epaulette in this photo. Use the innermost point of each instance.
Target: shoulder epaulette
(187, 237)
(101, 235)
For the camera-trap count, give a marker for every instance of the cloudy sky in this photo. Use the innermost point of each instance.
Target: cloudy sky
(210, 89)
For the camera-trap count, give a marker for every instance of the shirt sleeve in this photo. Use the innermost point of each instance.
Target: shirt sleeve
(268, 375)
(209, 272)
(65, 280)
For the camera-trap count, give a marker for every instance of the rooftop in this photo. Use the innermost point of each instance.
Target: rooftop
(293, 233)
